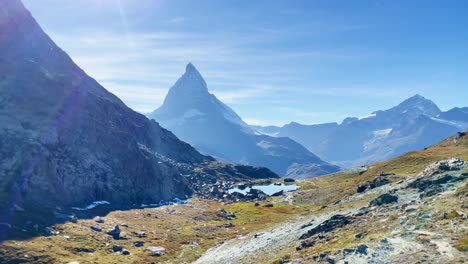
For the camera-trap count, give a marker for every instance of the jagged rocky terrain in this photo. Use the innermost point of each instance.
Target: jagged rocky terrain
(412, 125)
(66, 142)
(199, 118)
(388, 218)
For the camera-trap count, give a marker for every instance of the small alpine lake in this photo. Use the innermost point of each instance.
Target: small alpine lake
(267, 189)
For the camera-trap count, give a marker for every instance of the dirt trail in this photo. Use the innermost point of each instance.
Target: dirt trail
(269, 242)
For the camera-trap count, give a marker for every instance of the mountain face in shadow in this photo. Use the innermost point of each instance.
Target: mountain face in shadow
(199, 118)
(65, 140)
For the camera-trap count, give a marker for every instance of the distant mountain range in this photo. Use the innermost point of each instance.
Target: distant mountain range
(199, 118)
(412, 125)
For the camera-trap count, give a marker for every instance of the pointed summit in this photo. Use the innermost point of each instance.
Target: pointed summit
(190, 83)
(190, 68)
(417, 104)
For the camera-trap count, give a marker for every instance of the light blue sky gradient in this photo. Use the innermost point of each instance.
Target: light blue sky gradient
(272, 61)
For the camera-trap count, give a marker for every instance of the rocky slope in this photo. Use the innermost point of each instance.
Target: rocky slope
(405, 210)
(198, 117)
(66, 142)
(388, 218)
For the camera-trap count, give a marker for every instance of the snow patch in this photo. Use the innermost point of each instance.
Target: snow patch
(176, 201)
(91, 206)
(367, 116)
(192, 113)
(462, 125)
(189, 114)
(264, 144)
(383, 132)
(376, 137)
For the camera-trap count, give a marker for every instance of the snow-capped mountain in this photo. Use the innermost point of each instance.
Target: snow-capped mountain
(308, 135)
(412, 125)
(198, 117)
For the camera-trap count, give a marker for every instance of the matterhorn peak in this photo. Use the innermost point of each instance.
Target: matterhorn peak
(190, 68)
(190, 82)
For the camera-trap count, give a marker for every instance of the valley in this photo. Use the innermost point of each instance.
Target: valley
(86, 178)
(432, 217)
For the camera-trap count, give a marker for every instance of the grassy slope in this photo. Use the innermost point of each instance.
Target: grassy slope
(177, 227)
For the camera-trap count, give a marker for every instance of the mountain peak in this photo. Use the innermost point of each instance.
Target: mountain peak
(190, 68)
(417, 97)
(190, 82)
(418, 104)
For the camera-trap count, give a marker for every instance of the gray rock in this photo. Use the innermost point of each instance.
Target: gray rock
(114, 232)
(362, 249)
(384, 199)
(139, 233)
(278, 193)
(96, 228)
(138, 244)
(156, 251)
(226, 215)
(117, 248)
(332, 223)
(361, 188)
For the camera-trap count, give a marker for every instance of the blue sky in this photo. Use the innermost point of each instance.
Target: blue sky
(272, 61)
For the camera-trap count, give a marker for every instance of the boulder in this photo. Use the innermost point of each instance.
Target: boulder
(139, 233)
(96, 228)
(378, 181)
(278, 193)
(156, 251)
(384, 199)
(125, 252)
(116, 248)
(226, 215)
(238, 195)
(98, 219)
(114, 232)
(256, 194)
(332, 223)
(138, 244)
(241, 186)
(361, 188)
(362, 249)
(289, 180)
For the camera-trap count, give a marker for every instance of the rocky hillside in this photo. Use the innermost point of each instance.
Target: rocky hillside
(385, 213)
(67, 142)
(199, 118)
(408, 209)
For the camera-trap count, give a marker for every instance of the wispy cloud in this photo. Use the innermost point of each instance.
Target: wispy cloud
(176, 20)
(158, 58)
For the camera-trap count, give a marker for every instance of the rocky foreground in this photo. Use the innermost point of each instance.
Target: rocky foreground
(422, 218)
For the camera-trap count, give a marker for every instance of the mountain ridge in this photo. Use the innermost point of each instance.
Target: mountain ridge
(412, 124)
